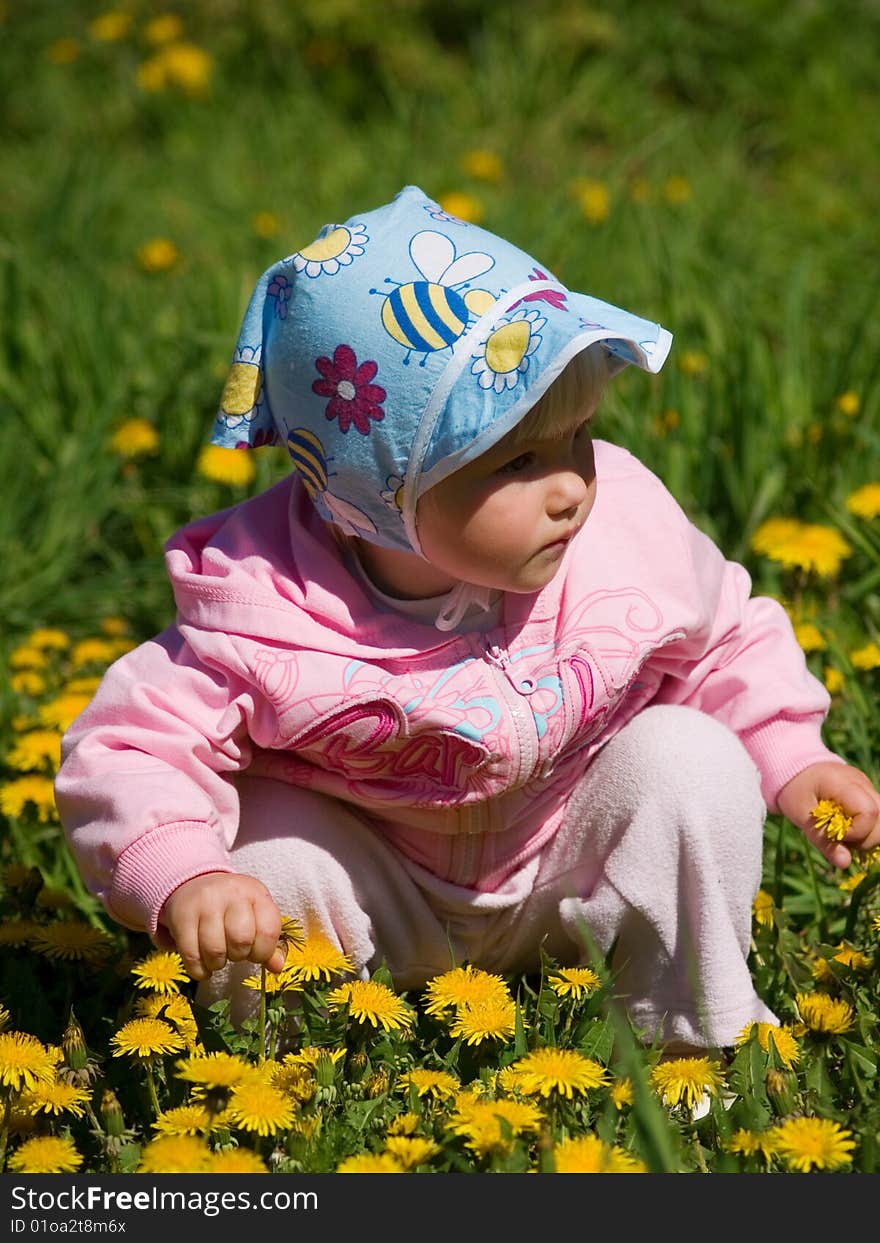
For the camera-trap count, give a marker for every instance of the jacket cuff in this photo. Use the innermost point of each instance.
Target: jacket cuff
(152, 867)
(782, 748)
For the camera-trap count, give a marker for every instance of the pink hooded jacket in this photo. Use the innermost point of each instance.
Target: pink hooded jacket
(462, 748)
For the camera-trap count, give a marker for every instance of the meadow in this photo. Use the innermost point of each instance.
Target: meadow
(712, 167)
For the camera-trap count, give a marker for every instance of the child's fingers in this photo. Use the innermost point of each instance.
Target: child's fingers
(186, 942)
(268, 929)
(836, 853)
(240, 931)
(212, 941)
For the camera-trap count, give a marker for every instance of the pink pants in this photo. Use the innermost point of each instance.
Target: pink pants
(660, 850)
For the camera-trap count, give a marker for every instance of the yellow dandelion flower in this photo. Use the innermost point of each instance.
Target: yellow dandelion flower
(311, 1054)
(875, 923)
(49, 639)
(16, 933)
(266, 224)
(824, 1014)
(159, 254)
(214, 1070)
(110, 27)
(831, 818)
(762, 908)
(161, 971)
(785, 1043)
(371, 1002)
(27, 657)
(814, 548)
(164, 28)
(685, 1080)
(114, 627)
(833, 679)
(135, 438)
(403, 1124)
(849, 883)
(809, 637)
(187, 67)
(807, 1144)
(462, 205)
(317, 958)
(298, 1082)
(275, 982)
(27, 683)
(72, 940)
(482, 164)
(867, 657)
(64, 710)
(63, 51)
(493, 1018)
(236, 1161)
(175, 1154)
(174, 1009)
(39, 748)
(588, 1154)
(184, 1120)
(677, 190)
(370, 1163)
(437, 1084)
(411, 1150)
(848, 403)
(865, 501)
(850, 957)
(234, 467)
(593, 198)
(29, 792)
(46, 1154)
(574, 982)
(773, 534)
(56, 1097)
(693, 362)
(24, 1061)
(622, 1093)
(463, 986)
(143, 1038)
(487, 1125)
(752, 1143)
(563, 1071)
(257, 1106)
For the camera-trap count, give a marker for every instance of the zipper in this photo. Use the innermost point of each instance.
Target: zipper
(498, 661)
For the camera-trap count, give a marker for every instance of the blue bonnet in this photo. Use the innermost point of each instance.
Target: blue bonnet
(399, 346)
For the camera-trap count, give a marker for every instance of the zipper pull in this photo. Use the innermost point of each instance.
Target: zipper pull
(497, 656)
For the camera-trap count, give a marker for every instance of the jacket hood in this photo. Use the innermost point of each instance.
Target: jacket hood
(399, 346)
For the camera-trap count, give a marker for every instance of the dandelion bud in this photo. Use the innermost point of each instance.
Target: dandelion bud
(781, 1089)
(357, 1066)
(74, 1045)
(378, 1083)
(112, 1119)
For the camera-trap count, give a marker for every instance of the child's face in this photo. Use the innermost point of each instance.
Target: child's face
(505, 520)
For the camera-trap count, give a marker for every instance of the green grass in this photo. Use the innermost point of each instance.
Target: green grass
(766, 272)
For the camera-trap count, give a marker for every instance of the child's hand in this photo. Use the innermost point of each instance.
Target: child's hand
(839, 783)
(222, 917)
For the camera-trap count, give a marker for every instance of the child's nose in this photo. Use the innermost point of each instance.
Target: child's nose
(568, 492)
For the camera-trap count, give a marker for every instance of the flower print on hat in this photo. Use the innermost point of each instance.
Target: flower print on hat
(400, 345)
(335, 247)
(240, 399)
(353, 398)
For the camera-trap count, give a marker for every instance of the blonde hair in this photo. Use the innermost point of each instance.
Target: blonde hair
(573, 394)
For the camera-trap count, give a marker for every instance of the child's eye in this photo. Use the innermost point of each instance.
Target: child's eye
(520, 462)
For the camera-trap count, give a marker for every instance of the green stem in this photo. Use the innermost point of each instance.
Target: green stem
(814, 881)
(262, 1026)
(151, 1087)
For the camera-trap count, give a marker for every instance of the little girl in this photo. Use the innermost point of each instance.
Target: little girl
(467, 683)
